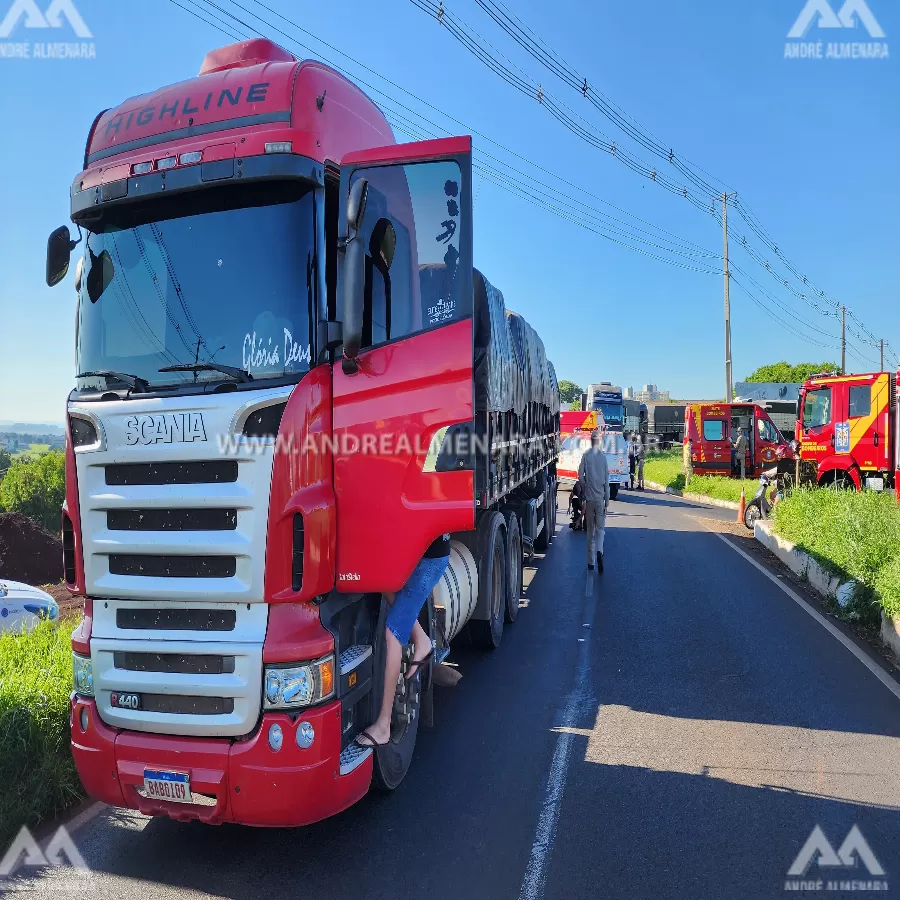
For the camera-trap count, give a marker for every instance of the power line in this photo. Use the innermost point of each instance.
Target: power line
(550, 198)
(610, 226)
(542, 52)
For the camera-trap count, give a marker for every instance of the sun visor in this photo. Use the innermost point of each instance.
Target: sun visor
(233, 98)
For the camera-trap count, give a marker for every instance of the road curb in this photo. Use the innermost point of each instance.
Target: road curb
(797, 560)
(687, 495)
(820, 580)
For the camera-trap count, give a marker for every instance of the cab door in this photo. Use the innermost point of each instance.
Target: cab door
(768, 439)
(817, 424)
(715, 437)
(396, 490)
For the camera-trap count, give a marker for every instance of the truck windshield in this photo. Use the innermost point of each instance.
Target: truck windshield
(817, 408)
(613, 413)
(226, 275)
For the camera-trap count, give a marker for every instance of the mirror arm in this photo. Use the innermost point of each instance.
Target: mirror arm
(74, 244)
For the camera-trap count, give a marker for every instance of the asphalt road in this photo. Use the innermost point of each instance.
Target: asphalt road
(673, 728)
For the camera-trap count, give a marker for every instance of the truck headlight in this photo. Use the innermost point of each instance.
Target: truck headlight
(302, 684)
(82, 675)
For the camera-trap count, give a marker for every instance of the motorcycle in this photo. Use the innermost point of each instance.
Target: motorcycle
(758, 508)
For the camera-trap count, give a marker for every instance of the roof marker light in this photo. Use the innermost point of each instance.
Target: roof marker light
(187, 159)
(141, 168)
(167, 163)
(279, 147)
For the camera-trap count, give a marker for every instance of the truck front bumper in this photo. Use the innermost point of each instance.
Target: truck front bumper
(242, 781)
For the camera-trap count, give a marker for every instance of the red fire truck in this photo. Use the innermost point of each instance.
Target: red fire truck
(291, 380)
(848, 430)
(711, 428)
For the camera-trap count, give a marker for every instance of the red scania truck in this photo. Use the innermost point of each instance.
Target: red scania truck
(847, 429)
(290, 381)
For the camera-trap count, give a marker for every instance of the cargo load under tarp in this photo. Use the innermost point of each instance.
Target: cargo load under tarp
(511, 365)
(538, 373)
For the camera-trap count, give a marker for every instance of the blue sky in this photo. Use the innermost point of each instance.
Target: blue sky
(808, 144)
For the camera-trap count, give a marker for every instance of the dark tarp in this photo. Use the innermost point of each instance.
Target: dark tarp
(511, 365)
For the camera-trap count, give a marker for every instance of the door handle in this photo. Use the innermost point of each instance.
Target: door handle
(876, 438)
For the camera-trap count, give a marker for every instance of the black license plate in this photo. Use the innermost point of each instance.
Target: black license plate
(122, 700)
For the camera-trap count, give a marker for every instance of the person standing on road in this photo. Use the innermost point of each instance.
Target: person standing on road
(593, 473)
(638, 452)
(403, 623)
(740, 445)
(632, 463)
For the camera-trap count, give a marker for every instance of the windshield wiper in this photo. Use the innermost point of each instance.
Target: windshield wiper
(241, 375)
(141, 385)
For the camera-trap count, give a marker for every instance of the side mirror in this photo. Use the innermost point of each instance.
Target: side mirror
(354, 277)
(59, 250)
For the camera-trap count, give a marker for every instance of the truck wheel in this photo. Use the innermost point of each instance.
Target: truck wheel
(514, 560)
(391, 763)
(492, 577)
(613, 491)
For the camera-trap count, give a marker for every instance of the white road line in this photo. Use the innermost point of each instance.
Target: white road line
(85, 816)
(836, 632)
(545, 834)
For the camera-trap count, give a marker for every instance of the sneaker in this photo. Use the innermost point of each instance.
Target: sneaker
(599, 561)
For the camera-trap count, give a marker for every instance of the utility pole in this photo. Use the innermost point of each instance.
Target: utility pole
(882, 355)
(843, 340)
(728, 381)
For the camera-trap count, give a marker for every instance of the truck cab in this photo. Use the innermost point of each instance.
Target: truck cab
(846, 429)
(290, 381)
(712, 428)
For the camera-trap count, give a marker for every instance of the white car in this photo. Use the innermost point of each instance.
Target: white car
(23, 606)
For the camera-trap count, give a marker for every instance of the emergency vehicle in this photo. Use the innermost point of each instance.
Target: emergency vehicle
(848, 430)
(711, 428)
(575, 433)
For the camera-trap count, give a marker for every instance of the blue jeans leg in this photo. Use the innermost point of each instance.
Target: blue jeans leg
(412, 596)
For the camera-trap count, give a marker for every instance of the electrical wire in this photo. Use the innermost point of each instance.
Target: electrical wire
(543, 53)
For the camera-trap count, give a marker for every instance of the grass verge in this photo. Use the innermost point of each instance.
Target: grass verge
(853, 535)
(38, 780)
(665, 469)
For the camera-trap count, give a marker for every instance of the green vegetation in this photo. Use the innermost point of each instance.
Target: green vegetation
(31, 451)
(38, 780)
(666, 469)
(569, 393)
(784, 373)
(36, 488)
(854, 535)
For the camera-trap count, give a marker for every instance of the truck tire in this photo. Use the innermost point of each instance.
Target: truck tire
(613, 491)
(490, 557)
(391, 763)
(514, 561)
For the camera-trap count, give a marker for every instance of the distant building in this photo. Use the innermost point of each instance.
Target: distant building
(650, 393)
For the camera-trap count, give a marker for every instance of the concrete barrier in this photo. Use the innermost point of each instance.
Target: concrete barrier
(890, 633)
(823, 582)
(687, 495)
